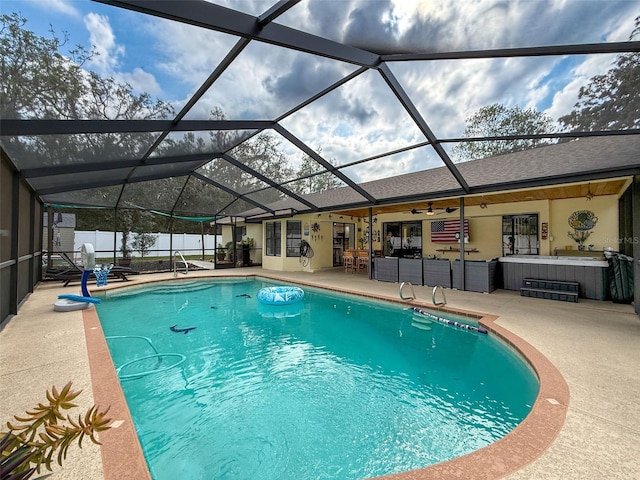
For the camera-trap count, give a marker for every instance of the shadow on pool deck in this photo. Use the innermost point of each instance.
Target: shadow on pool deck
(594, 345)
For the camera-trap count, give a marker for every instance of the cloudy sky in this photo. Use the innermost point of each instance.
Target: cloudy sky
(362, 118)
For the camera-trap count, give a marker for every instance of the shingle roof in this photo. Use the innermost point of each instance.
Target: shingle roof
(584, 159)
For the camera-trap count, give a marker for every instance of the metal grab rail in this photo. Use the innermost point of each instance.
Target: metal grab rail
(433, 296)
(186, 266)
(413, 293)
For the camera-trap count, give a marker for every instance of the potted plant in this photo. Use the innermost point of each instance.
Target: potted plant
(125, 249)
(579, 236)
(245, 247)
(45, 431)
(221, 252)
(229, 249)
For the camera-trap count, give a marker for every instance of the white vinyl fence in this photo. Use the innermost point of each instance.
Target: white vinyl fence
(186, 243)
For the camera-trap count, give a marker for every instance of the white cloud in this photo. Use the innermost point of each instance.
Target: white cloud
(565, 98)
(141, 81)
(110, 57)
(57, 6)
(104, 42)
(187, 54)
(363, 118)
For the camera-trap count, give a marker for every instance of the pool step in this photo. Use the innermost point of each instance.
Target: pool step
(550, 289)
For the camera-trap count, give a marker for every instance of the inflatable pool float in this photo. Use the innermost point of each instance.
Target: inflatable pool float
(67, 305)
(281, 311)
(79, 298)
(280, 295)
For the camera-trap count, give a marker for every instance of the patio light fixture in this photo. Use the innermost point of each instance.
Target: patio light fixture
(589, 194)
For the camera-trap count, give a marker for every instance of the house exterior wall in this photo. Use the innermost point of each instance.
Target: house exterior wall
(485, 231)
(605, 233)
(63, 238)
(321, 242)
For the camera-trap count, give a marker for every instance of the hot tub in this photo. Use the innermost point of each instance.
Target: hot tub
(590, 272)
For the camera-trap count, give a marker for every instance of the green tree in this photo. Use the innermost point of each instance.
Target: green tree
(130, 219)
(142, 242)
(39, 80)
(313, 181)
(35, 78)
(497, 120)
(261, 153)
(610, 101)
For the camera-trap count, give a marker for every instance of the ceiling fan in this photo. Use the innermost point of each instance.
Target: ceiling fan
(431, 211)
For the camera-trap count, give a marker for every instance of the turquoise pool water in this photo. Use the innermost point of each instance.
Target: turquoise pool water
(335, 387)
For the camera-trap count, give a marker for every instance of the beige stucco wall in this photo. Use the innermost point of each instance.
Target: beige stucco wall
(293, 264)
(604, 234)
(321, 242)
(485, 230)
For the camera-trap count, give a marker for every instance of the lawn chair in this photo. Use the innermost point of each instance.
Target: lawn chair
(72, 272)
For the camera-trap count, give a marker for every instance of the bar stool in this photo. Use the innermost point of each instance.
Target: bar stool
(362, 261)
(349, 261)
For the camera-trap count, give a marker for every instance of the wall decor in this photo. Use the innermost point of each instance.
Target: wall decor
(315, 227)
(582, 222)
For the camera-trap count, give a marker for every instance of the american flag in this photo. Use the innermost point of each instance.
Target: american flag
(446, 231)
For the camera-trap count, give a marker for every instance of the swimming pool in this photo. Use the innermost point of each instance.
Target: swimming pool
(338, 388)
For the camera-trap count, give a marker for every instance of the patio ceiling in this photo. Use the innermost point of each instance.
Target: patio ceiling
(363, 90)
(607, 187)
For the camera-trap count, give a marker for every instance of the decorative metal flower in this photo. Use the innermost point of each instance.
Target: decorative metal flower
(315, 227)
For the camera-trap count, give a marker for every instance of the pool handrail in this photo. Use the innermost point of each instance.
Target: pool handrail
(175, 262)
(413, 293)
(433, 296)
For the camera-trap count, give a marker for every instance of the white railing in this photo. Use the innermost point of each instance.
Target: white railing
(175, 264)
(413, 293)
(433, 296)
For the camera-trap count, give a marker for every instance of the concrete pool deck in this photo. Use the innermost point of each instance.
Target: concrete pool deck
(594, 345)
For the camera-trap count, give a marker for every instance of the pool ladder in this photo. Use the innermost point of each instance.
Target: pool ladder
(413, 293)
(175, 263)
(433, 293)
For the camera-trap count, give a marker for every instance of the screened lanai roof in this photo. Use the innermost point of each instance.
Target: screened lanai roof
(239, 107)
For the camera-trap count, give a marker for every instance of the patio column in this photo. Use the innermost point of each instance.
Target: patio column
(461, 234)
(635, 202)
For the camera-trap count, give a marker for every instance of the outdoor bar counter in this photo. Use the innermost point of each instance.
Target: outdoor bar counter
(590, 272)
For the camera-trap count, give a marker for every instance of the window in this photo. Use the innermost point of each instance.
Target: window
(294, 236)
(239, 233)
(272, 237)
(520, 234)
(402, 239)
